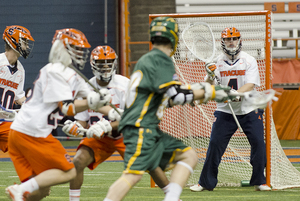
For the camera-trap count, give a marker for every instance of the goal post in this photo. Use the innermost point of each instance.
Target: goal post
(192, 125)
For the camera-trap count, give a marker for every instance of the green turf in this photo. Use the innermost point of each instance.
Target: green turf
(97, 182)
(290, 143)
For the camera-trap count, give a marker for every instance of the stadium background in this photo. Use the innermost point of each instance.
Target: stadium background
(42, 18)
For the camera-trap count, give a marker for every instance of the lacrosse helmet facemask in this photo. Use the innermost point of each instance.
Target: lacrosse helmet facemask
(231, 34)
(76, 44)
(103, 62)
(19, 39)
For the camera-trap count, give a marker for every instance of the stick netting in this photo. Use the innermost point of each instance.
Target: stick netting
(193, 124)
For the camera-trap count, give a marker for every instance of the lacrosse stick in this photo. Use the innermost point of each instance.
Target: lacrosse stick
(200, 41)
(58, 53)
(7, 114)
(259, 99)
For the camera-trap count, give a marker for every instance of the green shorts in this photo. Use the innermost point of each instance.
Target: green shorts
(148, 148)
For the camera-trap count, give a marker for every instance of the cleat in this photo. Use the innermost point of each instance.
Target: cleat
(262, 187)
(15, 193)
(198, 188)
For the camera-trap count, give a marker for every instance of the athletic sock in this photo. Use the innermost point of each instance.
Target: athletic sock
(106, 199)
(165, 189)
(30, 185)
(173, 193)
(74, 194)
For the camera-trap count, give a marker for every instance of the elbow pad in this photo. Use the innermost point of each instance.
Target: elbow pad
(179, 95)
(67, 107)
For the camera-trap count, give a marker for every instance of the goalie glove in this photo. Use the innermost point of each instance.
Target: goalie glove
(210, 69)
(114, 116)
(96, 101)
(72, 129)
(98, 130)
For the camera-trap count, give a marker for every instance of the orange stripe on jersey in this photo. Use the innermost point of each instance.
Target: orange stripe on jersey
(232, 73)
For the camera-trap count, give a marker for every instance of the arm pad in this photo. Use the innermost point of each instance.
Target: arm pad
(179, 95)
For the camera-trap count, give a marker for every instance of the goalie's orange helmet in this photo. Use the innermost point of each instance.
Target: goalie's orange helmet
(19, 39)
(103, 61)
(230, 32)
(76, 44)
(233, 33)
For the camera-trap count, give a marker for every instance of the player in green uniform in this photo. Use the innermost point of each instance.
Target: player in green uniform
(154, 87)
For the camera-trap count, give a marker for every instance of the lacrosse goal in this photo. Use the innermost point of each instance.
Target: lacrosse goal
(192, 125)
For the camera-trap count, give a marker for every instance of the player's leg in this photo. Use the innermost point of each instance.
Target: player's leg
(222, 130)
(121, 187)
(84, 156)
(142, 153)
(90, 153)
(53, 177)
(254, 130)
(182, 159)
(160, 178)
(39, 194)
(51, 163)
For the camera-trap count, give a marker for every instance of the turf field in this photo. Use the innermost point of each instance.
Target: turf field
(97, 182)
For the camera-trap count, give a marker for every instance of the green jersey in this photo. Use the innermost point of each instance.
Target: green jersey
(146, 99)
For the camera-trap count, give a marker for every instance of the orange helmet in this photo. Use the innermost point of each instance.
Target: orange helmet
(19, 39)
(104, 62)
(76, 44)
(234, 34)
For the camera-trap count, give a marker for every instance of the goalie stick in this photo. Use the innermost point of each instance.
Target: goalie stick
(259, 99)
(58, 53)
(200, 41)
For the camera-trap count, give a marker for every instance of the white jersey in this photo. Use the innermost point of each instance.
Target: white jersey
(242, 71)
(117, 88)
(40, 114)
(11, 82)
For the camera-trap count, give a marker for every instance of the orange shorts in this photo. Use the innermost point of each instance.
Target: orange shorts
(4, 130)
(32, 156)
(103, 148)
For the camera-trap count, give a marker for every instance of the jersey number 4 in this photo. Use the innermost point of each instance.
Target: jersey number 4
(233, 84)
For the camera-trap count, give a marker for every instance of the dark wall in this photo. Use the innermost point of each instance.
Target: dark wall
(139, 22)
(42, 18)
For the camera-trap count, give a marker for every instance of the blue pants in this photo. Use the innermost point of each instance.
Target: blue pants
(222, 130)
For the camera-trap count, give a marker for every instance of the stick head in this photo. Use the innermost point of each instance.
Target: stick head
(200, 41)
(260, 99)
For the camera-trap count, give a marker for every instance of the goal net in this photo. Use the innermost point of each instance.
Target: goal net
(193, 125)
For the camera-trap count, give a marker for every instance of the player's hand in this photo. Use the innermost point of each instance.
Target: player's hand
(98, 130)
(232, 95)
(73, 129)
(96, 101)
(210, 69)
(114, 116)
(221, 93)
